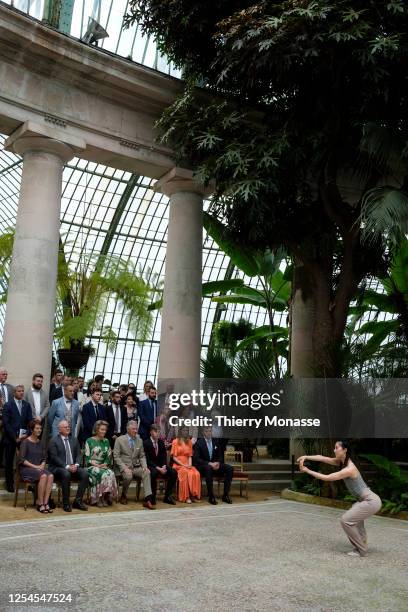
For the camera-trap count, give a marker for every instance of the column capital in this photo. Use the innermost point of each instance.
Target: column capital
(31, 136)
(179, 180)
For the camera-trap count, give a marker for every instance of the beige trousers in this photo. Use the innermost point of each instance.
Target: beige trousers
(137, 473)
(352, 521)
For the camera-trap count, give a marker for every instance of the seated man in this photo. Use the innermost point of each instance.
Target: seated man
(130, 462)
(156, 458)
(64, 457)
(91, 412)
(207, 459)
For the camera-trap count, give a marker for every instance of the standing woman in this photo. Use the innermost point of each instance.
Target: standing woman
(32, 457)
(189, 478)
(98, 457)
(369, 503)
(130, 406)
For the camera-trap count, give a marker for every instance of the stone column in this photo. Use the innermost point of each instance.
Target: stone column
(30, 312)
(180, 340)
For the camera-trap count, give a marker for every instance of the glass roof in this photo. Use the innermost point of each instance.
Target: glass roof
(128, 43)
(115, 212)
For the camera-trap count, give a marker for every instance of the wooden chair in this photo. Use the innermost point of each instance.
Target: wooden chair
(27, 484)
(239, 475)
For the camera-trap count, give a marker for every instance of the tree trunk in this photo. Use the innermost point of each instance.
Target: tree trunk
(301, 325)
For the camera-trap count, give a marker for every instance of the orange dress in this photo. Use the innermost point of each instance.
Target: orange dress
(189, 478)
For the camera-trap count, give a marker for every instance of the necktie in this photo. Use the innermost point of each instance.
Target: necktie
(156, 449)
(19, 406)
(132, 443)
(2, 393)
(153, 408)
(68, 454)
(117, 419)
(209, 444)
(96, 412)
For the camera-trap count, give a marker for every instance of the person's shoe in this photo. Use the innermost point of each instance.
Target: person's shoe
(213, 501)
(79, 505)
(52, 504)
(353, 553)
(67, 508)
(153, 500)
(123, 500)
(100, 503)
(10, 489)
(109, 501)
(169, 500)
(148, 504)
(227, 499)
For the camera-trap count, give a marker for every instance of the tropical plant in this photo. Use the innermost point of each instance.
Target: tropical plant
(6, 249)
(273, 294)
(84, 293)
(391, 484)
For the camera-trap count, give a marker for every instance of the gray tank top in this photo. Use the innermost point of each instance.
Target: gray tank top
(356, 486)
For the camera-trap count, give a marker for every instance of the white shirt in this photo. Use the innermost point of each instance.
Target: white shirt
(37, 401)
(118, 423)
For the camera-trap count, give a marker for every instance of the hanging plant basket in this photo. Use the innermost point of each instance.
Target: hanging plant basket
(74, 358)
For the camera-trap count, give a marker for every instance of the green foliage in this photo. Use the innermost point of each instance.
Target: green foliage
(391, 484)
(301, 122)
(85, 291)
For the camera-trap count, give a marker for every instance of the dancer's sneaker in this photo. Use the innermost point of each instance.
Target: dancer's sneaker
(353, 553)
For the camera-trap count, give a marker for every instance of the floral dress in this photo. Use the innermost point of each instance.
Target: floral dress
(101, 480)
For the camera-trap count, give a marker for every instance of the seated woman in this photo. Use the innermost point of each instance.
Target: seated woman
(31, 459)
(98, 458)
(189, 478)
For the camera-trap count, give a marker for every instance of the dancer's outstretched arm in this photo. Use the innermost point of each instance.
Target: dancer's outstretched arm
(344, 473)
(320, 458)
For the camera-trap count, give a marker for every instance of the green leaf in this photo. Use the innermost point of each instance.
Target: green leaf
(221, 285)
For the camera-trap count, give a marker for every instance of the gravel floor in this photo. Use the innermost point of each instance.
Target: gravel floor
(277, 555)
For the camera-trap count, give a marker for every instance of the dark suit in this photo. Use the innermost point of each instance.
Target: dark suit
(12, 423)
(201, 459)
(55, 392)
(6, 395)
(57, 462)
(89, 418)
(154, 461)
(146, 411)
(110, 417)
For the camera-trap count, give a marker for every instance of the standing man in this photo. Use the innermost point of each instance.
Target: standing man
(81, 397)
(116, 415)
(6, 393)
(91, 412)
(16, 417)
(147, 413)
(207, 459)
(64, 458)
(64, 408)
(56, 386)
(39, 402)
(130, 461)
(156, 458)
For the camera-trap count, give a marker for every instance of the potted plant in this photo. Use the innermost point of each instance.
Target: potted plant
(84, 293)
